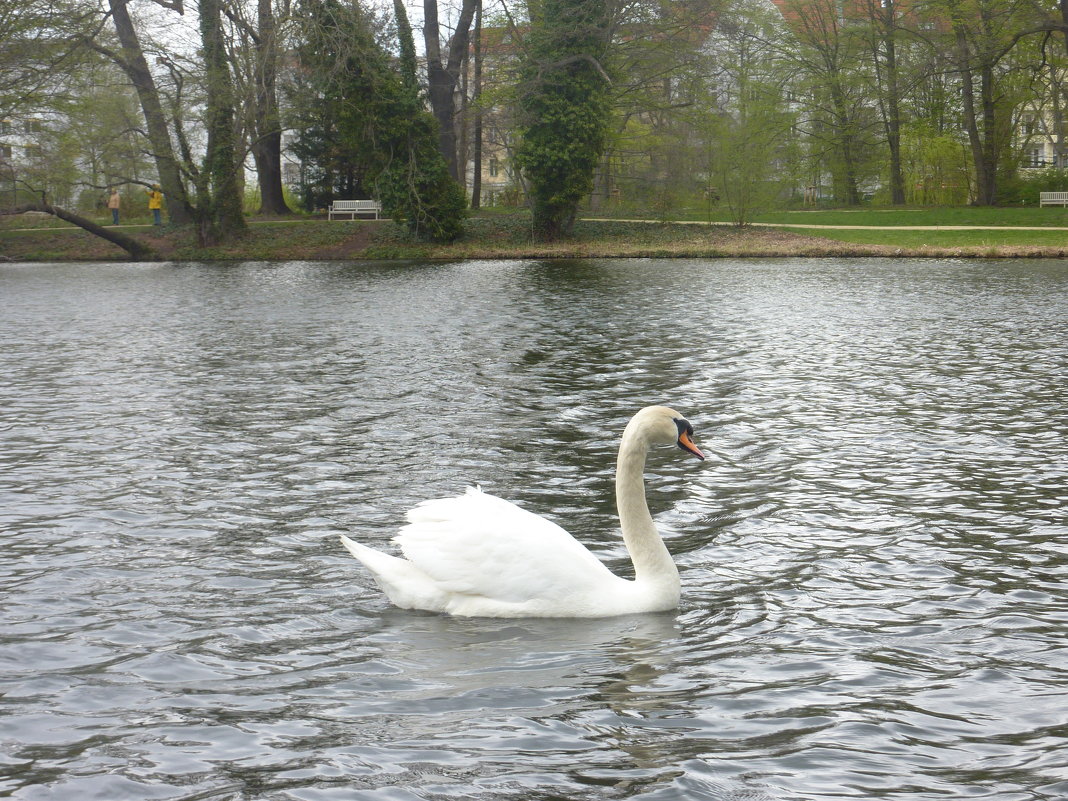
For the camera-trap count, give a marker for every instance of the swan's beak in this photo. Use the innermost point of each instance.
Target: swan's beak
(687, 444)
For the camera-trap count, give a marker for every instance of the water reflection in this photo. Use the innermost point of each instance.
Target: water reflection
(872, 559)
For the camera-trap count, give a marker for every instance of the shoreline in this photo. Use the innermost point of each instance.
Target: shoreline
(488, 238)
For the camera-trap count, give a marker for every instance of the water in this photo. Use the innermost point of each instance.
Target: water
(874, 557)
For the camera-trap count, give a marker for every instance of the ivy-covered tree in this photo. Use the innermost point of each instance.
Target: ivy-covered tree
(564, 104)
(219, 208)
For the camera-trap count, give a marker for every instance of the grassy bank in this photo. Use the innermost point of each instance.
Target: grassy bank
(508, 236)
(978, 216)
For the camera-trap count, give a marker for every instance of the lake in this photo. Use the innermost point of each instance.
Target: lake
(874, 557)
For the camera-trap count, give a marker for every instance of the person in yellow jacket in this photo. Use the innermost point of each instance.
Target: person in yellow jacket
(155, 203)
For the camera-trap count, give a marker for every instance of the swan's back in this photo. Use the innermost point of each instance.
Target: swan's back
(481, 546)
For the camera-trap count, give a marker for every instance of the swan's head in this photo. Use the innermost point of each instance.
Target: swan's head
(663, 426)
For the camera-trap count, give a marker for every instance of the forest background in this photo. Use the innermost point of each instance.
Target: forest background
(623, 107)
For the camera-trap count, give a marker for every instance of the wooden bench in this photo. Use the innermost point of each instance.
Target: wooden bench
(354, 207)
(1053, 198)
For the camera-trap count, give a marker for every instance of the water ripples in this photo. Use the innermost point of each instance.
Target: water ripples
(874, 556)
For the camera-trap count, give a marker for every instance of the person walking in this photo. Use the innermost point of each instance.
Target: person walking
(155, 203)
(114, 201)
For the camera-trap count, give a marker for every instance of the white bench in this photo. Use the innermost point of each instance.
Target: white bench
(1053, 198)
(354, 207)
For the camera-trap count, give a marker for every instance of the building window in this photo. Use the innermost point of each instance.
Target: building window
(494, 167)
(34, 152)
(5, 151)
(34, 126)
(5, 126)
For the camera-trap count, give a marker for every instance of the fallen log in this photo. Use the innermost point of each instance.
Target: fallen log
(138, 250)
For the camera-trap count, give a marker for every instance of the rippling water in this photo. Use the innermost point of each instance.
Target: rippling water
(874, 558)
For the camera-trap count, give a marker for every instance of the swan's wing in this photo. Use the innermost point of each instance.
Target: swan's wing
(478, 544)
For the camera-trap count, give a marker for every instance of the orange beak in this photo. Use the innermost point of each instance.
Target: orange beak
(687, 444)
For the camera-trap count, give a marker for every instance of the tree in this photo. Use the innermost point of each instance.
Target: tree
(564, 103)
(883, 44)
(984, 33)
(219, 209)
(131, 60)
(443, 76)
(415, 183)
(267, 132)
(661, 75)
(476, 148)
(138, 251)
(256, 53)
(826, 55)
(748, 127)
(366, 128)
(39, 56)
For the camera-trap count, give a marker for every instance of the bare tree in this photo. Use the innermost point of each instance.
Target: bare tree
(443, 75)
(131, 60)
(257, 74)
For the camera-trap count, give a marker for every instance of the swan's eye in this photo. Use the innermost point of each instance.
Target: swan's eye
(684, 426)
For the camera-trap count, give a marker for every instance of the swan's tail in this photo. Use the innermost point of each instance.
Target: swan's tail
(406, 585)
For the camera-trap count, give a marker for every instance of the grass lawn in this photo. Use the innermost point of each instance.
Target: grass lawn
(1049, 216)
(964, 215)
(508, 235)
(942, 239)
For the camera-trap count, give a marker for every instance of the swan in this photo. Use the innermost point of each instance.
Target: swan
(477, 555)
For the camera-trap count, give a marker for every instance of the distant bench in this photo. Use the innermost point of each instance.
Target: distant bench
(354, 207)
(1053, 198)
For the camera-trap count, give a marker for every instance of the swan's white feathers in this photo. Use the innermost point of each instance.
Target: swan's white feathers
(405, 584)
(479, 555)
(480, 545)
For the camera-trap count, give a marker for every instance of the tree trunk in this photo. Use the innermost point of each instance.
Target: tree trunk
(267, 149)
(443, 78)
(985, 179)
(219, 205)
(893, 106)
(845, 174)
(138, 251)
(476, 153)
(134, 65)
(991, 139)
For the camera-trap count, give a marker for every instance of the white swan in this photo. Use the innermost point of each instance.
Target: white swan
(477, 555)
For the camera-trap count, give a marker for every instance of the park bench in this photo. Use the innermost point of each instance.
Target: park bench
(1053, 198)
(354, 207)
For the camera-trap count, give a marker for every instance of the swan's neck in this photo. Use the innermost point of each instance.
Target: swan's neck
(652, 561)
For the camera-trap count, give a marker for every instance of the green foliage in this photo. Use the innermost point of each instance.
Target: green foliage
(1031, 182)
(332, 101)
(40, 58)
(415, 185)
(564, 103)
(743, 161)
(364, 130)
(252, 201)
(935, 166)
